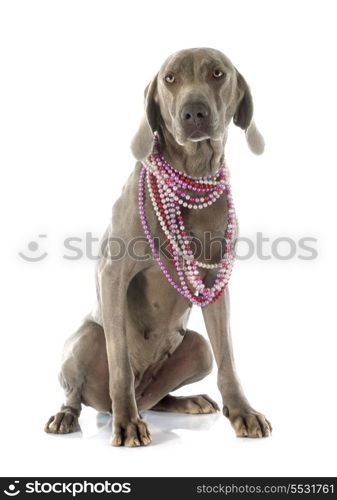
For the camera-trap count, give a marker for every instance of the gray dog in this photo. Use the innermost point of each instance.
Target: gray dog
(135, 349)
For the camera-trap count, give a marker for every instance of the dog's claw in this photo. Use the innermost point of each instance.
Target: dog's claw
(248, 423)
(62, 423)
(131, 434)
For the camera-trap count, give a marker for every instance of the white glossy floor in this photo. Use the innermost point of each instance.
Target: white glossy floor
(183, 445)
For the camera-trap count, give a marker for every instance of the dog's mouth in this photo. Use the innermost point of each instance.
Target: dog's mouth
(194, 133)
(198, 135)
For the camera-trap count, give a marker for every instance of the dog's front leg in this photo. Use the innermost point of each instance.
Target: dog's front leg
(128, 427)
(246, 421)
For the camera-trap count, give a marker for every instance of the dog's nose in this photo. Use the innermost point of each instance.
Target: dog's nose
(194, 113)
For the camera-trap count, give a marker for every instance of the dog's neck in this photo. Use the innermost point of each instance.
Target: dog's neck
(194, 158)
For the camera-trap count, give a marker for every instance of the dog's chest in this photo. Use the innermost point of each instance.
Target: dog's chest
(159, 312)
(207, 228)
(154, 303)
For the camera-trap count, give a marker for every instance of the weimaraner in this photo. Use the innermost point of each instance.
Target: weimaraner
(135, 348)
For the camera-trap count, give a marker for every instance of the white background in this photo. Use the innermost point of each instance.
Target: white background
(71, 89)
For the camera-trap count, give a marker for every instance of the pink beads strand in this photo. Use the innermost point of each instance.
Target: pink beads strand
(169, 190)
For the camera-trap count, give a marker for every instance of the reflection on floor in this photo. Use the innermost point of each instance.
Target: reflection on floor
(161, 424)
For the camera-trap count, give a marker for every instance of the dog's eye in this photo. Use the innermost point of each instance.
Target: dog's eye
(217, 73)
(169, 77)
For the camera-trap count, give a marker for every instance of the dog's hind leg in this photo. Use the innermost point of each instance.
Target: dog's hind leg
(191, 362)
(79, 351)
(66, 420)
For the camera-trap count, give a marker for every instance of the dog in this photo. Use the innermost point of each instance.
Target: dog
(135, 348)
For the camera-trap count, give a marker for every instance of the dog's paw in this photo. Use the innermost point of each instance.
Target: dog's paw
(187, 404)
(248, 423)
(132, 433)
(62, 423)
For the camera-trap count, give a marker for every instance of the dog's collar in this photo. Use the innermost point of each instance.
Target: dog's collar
(169, 191)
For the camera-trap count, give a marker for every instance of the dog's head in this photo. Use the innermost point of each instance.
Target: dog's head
(194, 96)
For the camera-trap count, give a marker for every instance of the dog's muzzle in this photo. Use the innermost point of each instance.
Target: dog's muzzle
(195, 121)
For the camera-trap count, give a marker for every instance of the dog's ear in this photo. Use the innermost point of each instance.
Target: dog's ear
(142, 142)
(243, 117)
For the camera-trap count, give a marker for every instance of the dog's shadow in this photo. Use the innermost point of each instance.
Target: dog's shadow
(161, 424)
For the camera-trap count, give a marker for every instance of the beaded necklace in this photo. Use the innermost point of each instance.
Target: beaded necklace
(169, 190)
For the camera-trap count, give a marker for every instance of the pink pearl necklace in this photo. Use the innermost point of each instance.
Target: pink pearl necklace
(169, 190)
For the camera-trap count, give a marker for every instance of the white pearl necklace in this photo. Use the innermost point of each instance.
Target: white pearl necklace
(169, 190)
